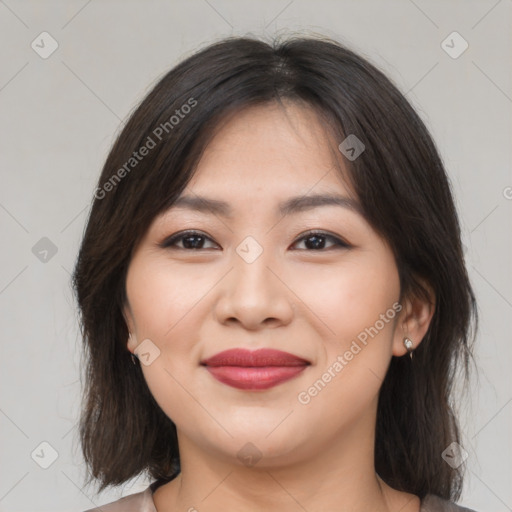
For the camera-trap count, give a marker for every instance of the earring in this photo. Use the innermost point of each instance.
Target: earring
(408, 345)
(133, 356)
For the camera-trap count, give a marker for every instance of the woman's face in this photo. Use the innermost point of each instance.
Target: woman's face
(253, 278)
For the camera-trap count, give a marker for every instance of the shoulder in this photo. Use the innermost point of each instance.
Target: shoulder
(139, 502)
(433, 503)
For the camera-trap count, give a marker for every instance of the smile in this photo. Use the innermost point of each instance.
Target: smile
(259, 369)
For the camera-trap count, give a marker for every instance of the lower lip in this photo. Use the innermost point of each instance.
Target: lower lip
(266, 377)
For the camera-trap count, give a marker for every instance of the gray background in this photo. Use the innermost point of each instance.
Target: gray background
(59, 116)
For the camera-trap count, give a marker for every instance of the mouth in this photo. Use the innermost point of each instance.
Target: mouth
(256, 369)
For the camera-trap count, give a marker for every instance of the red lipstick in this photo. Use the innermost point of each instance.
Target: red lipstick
(254, 369)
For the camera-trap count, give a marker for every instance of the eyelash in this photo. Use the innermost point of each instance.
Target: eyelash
(170, 243)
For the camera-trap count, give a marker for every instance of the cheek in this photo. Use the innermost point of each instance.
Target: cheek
(356, 308)
(163, 303)
(350, 298)
(162, 296)
(166, 302)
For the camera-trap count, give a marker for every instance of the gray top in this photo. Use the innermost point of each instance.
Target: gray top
(143, 502)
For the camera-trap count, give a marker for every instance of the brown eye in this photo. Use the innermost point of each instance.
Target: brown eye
(196, 240)
(190, 240)
(316, 240)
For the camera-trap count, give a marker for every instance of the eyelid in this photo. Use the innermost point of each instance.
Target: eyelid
(336, 239)
(168, 242)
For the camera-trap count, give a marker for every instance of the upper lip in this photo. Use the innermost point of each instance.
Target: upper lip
(254, 358)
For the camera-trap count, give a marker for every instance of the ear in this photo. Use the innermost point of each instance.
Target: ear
(131, 343)
(414, 319)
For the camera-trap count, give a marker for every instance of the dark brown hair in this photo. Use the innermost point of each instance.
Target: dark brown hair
(406, 197)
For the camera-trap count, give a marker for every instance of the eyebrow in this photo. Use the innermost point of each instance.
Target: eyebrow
(288, 207)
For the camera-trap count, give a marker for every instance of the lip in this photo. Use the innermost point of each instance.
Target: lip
(254, 369)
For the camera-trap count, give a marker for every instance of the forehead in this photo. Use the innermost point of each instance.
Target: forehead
(286, 148)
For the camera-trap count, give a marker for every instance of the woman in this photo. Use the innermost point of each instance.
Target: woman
(273, 295)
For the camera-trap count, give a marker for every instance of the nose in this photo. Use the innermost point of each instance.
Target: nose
(254, 295)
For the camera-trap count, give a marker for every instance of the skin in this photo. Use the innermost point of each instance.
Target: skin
(194, 303)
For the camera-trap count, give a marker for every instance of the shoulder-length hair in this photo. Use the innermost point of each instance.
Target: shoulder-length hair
(406, 197)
